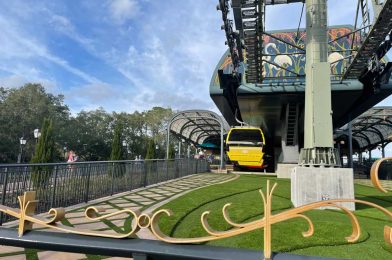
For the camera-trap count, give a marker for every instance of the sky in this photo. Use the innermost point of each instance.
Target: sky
(125, 55)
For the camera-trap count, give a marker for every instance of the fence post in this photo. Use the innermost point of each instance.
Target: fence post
(189, 167)
(177, 170)
(197, 163)
(156, 169)
(145, 172)
(131, 169)
(87, 184)
(54, 186)
(113, 170)
(4, 193)
(167, 169)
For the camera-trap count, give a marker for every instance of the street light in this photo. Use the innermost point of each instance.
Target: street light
(37, 134)
(125, 145)
(22, 142)
(176, 149)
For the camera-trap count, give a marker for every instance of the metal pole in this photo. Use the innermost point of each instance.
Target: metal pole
(318, 138)
(87, 184)
(179, 149)
(112, 188)
(20, 153)
(54, 186)
(3, 195)
(168, 140)
(221, 165)
(350, 144)
(383, 150)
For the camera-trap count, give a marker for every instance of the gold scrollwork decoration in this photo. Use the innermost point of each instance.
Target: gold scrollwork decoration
(26, 217)
(268, 220)
(374, 173)
(28, 204)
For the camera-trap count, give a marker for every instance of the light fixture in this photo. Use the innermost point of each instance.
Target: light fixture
(22, 141)
(37, 133)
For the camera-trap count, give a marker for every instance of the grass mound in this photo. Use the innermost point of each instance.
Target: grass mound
(331, 227)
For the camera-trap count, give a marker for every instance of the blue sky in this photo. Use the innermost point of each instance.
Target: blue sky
(124, 55)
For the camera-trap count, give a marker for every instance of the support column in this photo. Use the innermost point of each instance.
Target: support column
(168, 141)
(350, 145)
(179, 149)
(318, 140)
(317, 182)
(222, 165)
(383, 150)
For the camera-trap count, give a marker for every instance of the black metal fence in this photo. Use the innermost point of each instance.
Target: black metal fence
(66, 184)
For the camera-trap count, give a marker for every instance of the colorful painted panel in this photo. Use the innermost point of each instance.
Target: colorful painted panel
(296, 62)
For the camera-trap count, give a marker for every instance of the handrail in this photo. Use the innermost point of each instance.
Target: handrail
(84, 162)
(137, 248)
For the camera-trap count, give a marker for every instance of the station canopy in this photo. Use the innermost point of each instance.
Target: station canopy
(372, 128)
(197, 126)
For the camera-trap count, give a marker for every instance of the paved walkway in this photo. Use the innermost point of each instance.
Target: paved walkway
(387, 184)
(145, 199)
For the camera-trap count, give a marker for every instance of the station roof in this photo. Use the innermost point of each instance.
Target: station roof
(195, 126)
(372, 128)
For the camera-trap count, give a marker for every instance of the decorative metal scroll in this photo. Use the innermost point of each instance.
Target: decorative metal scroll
(28, 203)
(374, 173)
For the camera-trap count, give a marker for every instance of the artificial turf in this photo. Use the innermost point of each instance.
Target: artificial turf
(331, 227)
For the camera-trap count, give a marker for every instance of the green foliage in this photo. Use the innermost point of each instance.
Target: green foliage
(21, 111)
(172, 151)
(44, 151)
(88, 133)
(150, 150)
(117, 153)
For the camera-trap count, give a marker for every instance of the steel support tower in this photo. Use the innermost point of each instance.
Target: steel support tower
(318, 140)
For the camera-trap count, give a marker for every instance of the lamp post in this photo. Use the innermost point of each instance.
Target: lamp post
(125, 145)
(156, 151)
(22, 142)
(37, 134)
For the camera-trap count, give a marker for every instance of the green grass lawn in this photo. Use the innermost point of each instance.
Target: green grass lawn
(331, 227)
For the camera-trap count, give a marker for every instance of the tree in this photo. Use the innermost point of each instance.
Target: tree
(172, 151)
(44, 152)
(89, 134)
(151, 150)
(21, 111)
(117, 145)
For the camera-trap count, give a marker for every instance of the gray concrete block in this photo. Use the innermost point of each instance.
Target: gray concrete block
(284, 170)
(311, 184)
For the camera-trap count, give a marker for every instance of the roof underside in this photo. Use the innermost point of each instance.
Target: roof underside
(195, 126)
(372, 128)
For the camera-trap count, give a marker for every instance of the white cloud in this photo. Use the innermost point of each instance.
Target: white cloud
(123, 10)
(19, 46)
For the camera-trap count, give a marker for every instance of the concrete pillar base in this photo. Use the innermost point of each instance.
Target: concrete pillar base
(284, 170)
(311, 184)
